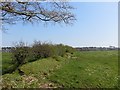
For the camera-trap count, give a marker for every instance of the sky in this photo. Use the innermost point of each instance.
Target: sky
(96, 25)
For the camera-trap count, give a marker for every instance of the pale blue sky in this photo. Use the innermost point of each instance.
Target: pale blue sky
(96, 25)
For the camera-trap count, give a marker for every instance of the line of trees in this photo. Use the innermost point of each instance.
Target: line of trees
(96, 48)
(22, 54)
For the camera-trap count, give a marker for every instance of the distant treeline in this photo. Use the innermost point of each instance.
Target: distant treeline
(97, 48)
(8, 49)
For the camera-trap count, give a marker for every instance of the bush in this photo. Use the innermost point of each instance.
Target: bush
(23, 54)
(20, 52)
(39, 50)
(69, 49)
(60, 50)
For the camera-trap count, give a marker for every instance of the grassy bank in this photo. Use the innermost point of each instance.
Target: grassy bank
(89, 69)
(98, 69)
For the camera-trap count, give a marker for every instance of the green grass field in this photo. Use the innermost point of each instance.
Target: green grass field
(6, 60)
(87, 69)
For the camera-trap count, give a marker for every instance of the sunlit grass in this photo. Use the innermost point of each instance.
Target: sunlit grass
(92, 69)
(88, 69)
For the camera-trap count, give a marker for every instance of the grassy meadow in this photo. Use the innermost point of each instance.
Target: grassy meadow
(85, 69)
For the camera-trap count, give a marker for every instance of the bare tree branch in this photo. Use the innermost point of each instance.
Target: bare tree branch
(14, 12)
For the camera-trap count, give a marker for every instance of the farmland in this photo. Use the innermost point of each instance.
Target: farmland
(87, 69)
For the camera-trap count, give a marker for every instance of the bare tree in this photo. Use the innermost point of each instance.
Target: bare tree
(58, 12)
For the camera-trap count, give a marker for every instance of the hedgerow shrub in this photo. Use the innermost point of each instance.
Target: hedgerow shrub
(23, 54)
(19, 52)
(60, 50)
(39, 50)
(69, 49)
